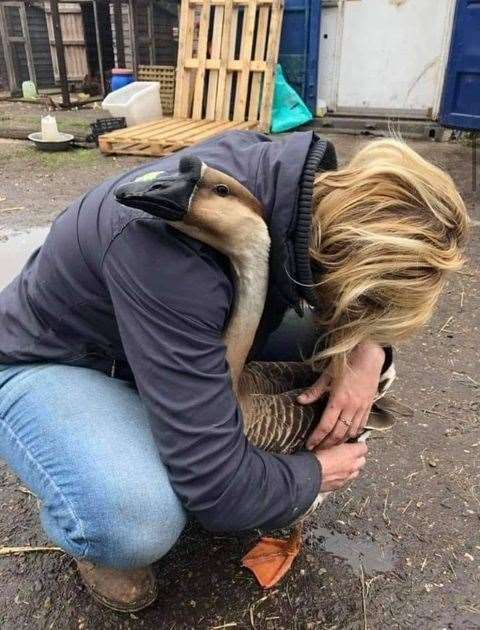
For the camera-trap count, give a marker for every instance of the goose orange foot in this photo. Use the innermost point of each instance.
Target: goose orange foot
(272, 558)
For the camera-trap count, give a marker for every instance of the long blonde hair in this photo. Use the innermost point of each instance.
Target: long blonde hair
(387, 229)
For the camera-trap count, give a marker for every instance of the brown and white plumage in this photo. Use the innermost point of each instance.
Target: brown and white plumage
(273, 418)
(266, 392)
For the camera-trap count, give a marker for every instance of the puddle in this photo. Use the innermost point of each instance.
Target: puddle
(356, 551)
(15, 251)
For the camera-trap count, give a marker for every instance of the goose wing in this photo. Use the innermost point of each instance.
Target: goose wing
(277, 423)
(275, 378)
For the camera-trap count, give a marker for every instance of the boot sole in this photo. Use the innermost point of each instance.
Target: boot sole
(134, 607)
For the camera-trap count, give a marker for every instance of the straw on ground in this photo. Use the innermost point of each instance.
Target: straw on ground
(11, 551)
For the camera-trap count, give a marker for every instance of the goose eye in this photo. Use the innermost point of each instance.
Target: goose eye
(222, 190)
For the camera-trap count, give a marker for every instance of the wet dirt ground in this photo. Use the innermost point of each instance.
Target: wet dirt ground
(21, 116)
(399, 549)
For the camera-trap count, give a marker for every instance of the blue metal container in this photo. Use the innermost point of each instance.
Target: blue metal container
(121, 77)
(299, 47)
(461, 95)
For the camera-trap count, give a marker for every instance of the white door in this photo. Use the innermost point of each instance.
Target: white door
(385, 55)
(327, 65)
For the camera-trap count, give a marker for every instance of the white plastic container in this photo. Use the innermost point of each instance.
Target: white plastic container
(50, 129)
(321, 108)
(138, 102)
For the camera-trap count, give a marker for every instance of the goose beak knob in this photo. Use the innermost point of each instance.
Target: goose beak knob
(167, 196)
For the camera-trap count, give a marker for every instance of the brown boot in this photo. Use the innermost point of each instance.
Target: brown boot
(123, 591)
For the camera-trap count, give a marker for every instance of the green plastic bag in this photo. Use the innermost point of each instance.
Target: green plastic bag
(289, 111)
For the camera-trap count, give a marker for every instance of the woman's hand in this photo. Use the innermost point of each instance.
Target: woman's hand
(341, 464)
(351, 397)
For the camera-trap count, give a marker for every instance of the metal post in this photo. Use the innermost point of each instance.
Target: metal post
(119, 41)
(62, 66)
(99, 47)
(133, 35)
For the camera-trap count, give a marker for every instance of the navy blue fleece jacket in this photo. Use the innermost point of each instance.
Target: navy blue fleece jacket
(114, 286)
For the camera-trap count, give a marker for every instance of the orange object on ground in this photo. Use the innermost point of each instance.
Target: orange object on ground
(271, 559)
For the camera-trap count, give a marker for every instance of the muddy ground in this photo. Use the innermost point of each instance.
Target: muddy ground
(412, 522)
(17, 116)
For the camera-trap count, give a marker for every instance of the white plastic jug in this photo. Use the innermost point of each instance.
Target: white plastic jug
(50, 129)
(29, 90)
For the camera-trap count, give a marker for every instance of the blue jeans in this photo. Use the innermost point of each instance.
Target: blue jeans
(84, 444)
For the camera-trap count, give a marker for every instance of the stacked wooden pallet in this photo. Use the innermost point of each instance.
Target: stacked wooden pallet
(224, 78)
(165, 76)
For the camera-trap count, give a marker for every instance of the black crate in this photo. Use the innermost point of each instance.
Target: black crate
(104, 125)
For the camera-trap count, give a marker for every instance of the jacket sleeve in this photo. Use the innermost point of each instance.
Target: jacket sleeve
(171, 297)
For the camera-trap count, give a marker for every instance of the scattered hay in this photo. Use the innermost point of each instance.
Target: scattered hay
(13, 551)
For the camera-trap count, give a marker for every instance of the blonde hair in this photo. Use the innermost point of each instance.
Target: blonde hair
(387, 229)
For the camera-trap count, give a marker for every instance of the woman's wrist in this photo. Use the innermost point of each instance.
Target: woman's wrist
(371, 349)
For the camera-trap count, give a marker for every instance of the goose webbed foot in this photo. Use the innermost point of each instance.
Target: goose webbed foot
(272, 558)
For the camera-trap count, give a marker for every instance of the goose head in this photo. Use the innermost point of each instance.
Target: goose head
(203, 202)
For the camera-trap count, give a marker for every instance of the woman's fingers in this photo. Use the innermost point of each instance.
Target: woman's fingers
(358, 423)
(366, 417)
(344, 417)
(341, 464)
(315, 391)
(359, 466)
(340, 432)
(337, 425)
(358, 426)
(325, 426)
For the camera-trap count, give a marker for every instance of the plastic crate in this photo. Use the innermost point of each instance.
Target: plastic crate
(104, 125)
(139, 102)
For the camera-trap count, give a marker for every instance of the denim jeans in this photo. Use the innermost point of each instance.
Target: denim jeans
(84, 444)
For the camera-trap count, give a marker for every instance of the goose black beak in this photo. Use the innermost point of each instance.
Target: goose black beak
(168, 196)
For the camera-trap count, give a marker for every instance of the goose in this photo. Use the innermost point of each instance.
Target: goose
(213, 207)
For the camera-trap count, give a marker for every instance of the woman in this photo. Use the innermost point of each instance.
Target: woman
(115, 401)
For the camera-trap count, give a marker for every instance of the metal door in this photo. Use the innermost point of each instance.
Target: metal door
(299, 47)
(461, 97)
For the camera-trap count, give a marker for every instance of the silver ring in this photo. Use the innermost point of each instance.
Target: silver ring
(346, 422)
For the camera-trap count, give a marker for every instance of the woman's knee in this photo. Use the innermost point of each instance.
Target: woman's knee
(139, 530)
(127, 529)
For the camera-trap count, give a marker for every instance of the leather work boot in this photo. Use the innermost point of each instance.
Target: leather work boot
(123, 591)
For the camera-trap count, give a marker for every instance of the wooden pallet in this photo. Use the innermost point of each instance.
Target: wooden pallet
(165, 75)
(165, 136)
(214, 78)
(224, 79)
